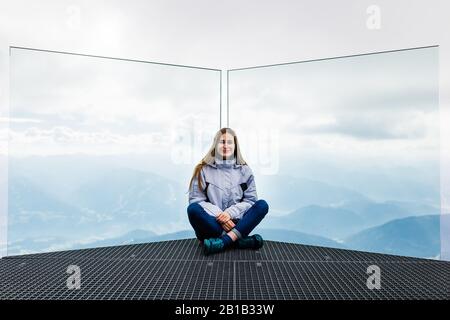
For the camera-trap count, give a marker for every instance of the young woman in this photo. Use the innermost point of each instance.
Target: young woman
(223, 203)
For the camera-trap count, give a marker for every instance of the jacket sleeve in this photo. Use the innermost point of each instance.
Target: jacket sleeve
(237, 210)
(198, 195)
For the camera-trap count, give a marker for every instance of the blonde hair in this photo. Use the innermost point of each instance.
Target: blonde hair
(209, 158)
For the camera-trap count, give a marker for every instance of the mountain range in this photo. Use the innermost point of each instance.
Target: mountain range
(69, 202)
(412, 236)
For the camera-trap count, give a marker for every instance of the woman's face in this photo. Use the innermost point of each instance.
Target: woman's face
(225, 147)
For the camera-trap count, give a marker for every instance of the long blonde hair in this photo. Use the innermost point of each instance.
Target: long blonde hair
(209, 158)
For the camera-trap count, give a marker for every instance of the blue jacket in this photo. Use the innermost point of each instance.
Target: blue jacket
(231, 188)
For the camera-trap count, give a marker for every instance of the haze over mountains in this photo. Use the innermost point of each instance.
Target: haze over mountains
(56, 205)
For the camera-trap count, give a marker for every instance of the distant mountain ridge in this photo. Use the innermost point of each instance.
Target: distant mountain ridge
(412, 236)
(55, 203)
(345, 219)
(126, 198)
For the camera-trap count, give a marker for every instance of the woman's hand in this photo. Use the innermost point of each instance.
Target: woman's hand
(227, 226)
(223, 217)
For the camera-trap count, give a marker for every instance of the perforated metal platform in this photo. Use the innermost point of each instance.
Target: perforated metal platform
(179, 270)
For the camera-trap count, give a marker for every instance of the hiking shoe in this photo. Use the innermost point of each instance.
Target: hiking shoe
(251, 242)
(213, 245)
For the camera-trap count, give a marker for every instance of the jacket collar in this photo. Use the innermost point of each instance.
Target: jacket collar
(214, 164)
(234, 166)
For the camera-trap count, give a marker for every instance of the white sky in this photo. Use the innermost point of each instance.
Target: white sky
(372, 110)
(61, 104)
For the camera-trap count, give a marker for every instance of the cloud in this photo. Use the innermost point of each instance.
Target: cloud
(378, 126)
(64, 140)
(380, 96)
(86, 92)
(19, 120)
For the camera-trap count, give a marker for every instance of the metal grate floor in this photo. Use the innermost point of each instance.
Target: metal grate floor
(178, 270)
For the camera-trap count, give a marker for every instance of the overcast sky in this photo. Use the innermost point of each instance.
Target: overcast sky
(61, 104)
(371, 110)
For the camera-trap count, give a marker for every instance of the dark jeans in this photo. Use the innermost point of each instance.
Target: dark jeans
(206, 226)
